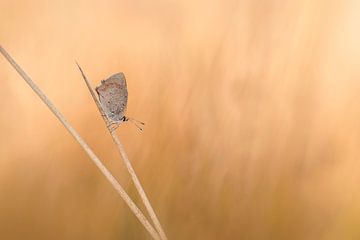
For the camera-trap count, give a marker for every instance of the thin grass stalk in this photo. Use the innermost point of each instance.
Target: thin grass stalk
(126, 160)
(83, 144)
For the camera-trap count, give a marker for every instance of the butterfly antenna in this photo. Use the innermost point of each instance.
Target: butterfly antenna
(135, 122)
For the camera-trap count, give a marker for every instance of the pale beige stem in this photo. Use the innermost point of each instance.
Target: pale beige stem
(83, 144)
(127, 162)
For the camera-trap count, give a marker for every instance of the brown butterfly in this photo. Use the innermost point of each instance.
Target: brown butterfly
(113, 97)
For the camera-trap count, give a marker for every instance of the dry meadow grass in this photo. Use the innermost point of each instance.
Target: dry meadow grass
(251, 108)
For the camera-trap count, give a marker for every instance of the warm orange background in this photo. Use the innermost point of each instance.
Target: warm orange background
(252, 111)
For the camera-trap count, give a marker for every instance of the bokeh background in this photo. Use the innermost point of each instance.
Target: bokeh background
(251, 108)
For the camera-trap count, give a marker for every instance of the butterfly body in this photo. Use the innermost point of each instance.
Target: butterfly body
(113, 97)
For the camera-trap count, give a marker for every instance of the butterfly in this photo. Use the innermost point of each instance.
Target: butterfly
(113, 97)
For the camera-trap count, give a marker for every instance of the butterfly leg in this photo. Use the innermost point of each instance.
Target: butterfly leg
(115, 126)
(104, 116)
(112, 126)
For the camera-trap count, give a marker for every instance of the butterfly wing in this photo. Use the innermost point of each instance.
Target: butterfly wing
(113, 96)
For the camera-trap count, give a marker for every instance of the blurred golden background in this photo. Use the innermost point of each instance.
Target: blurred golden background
(251, 108)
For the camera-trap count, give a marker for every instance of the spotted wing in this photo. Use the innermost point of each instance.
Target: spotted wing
(113, 96)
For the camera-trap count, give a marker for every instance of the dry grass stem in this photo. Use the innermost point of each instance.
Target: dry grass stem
(126, 161)
(83, 144)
